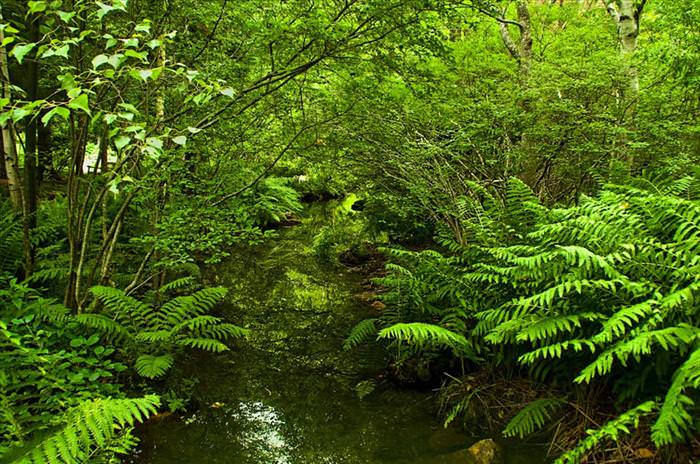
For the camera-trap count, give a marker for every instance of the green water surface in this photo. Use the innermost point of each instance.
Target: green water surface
(287, 395)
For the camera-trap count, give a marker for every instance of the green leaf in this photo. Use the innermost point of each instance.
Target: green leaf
(36, 6)
(81, 102)
(180, 140)
(122, 141)
(116, 60)
(62, 112)
(145, 27)
(153, 366)
(99, 60)
(104, 9)
(155, 143)
(66, 16)
(145, 74)
(20, 51)
(67, 81)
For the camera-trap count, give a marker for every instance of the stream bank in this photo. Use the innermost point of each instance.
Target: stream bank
(289, 394)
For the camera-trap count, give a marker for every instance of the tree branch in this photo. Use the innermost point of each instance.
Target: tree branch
(612, 9)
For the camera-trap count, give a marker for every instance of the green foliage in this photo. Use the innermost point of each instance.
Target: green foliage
(425, 335)
(360, 333)
(610, 431)
(532, 417)
(588, 294)
(153, 335)
(346, 237)
(90, 427)
(46, 365)
(10, 239)
(675, 419)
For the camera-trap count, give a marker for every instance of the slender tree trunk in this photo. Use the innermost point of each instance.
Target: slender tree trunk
(525, 40)
(3, 171)
(522, 50)
(14, 180)
(627, 14)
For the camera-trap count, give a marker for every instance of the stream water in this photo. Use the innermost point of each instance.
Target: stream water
(287, 395)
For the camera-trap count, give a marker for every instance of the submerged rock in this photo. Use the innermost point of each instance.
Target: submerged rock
(482, 452)
(486, 452)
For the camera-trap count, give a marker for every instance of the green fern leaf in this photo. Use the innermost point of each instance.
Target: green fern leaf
(153, 366)
(532, 417)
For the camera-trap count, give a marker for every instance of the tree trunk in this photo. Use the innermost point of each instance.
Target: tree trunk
(525, 40)
(14, 180)
(626, 14)
(522, 51)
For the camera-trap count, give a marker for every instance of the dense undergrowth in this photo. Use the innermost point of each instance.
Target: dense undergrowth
(602, 296)
(529, 169)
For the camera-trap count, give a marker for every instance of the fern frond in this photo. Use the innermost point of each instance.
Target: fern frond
(182, 307)
(104, 324)
(362, 331)
(206, 344)
(549, 327)
(532, 417)
(424, 335)
(153, 366)
(178, 284)
(675, 422)
(122, 305)
(88, 427)
(611, 430)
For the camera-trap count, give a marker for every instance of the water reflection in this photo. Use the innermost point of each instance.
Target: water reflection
(287, 396)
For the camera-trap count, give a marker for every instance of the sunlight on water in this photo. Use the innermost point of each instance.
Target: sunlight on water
(262, 434)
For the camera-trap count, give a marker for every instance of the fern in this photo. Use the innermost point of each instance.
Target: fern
(532, 417)
(178, 284)
(153, 335)
(90, 426)
(611, 430)
(153, 366)
(10, 239)
(423, 335)
(593, 293)
(674, 420)
(360, 333)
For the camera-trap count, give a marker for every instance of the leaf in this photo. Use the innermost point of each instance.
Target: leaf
(145, 74)
(227, 92)
(180, 140)
(99, 60)
(144, 26)
(155, 143)
(20, 51)
(36, 6)
(104, 9)
(153, 366)
(62, 112)
(81, 102)
(532, 417)
(122, 141)
(66, 16)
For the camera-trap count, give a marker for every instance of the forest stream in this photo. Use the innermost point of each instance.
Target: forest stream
(288, 394)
